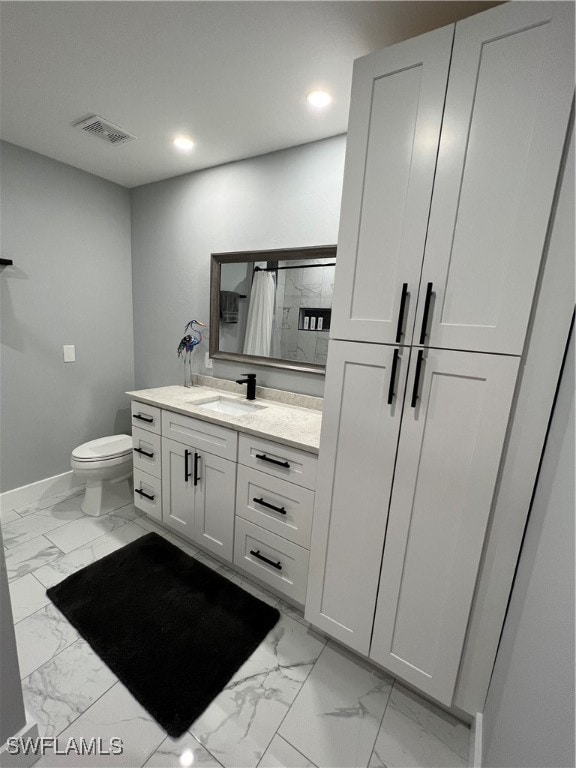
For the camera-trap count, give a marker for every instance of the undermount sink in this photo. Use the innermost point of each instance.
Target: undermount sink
(227, 405)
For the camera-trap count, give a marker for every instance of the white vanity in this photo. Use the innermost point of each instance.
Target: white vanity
(236, 478)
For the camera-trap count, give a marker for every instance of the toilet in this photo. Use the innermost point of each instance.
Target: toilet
(105, 465)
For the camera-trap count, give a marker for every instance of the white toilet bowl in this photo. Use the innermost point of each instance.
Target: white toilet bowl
(105, 465)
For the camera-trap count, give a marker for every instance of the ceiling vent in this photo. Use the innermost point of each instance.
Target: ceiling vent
(104, 130)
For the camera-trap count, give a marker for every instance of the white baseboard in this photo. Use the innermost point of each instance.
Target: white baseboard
(28, 494)
(475, 755)
(30, 731)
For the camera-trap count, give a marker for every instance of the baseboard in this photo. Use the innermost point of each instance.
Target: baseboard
(475, 755)
(30, 731)
(28, 494)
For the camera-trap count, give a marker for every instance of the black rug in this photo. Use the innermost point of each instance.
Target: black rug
(171, 629)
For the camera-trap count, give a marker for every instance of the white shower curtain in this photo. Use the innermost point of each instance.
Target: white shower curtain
(258, 338)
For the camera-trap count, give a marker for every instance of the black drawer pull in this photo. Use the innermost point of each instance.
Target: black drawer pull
(427, 301)
(187, 472)
(391, 392)
(196, 475)
(143, 493)
(399, 331)
(263, 503)
(417, 378)
(263, 457)
(149, 419)
(144, 453)
(257, 554)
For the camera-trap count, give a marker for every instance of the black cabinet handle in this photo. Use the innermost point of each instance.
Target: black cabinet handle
(143, 493)
(149, 419)
(257, 554)
(417, 378)
(144, 453)
(391, 392)
(263, 503)
(426, 311)
(263, 457)
(403, 297)
(196, 460)
(187, 473)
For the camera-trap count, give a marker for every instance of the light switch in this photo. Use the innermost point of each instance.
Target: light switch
(208, 361)
(69, 353)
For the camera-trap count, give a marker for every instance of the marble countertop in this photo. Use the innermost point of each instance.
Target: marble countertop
(280, 422)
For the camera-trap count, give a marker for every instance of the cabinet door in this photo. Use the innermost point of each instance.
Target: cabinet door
(214, 503)
(395, 118)
(356, 462)
(177, 489)
(507, 109)
(448, 457)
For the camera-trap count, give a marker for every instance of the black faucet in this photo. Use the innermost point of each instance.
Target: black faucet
(250, 380)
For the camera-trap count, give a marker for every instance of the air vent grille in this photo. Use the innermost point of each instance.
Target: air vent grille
(105, 130)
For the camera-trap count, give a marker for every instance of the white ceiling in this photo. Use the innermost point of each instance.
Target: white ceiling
(234, 75)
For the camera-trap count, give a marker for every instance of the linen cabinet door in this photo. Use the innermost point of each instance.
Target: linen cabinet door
(453, 428)
(395, 118)
(362, 407)
(508, 104)
(177, 489)
(215, 486)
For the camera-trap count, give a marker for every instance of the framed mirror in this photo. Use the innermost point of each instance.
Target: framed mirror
(273, 307)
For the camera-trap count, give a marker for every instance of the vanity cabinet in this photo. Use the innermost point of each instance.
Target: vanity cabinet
(198, 485)
(248, 500)
(454, 149)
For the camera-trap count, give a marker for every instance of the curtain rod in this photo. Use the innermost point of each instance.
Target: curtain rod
(297, 266)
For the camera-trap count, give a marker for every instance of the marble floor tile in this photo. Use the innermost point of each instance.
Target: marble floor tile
(27, 596)
(293, 612)
(82, 531)
(240, 723)
(255, 589)
(128, 512)
(116, 714)
(45, 520)
(41, 636)
(63, 566)
(8, 515)
(27, 557)
(49, 500)
(337, 714)
(281, 754)
(416, 734)
(176, 753)
(62, 689)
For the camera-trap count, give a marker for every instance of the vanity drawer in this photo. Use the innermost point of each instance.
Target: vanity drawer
(148, 493)
(292, 518)
(219, 441)
(279, 460)
(146, 416)
(146, 451)
(287, 569)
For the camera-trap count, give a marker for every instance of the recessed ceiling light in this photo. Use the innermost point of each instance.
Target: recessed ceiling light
(318, 99)
(183, 143)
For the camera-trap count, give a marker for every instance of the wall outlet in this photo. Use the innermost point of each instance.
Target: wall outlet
(208, 361)
(69, 353)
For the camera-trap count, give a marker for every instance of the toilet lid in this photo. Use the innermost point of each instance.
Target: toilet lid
(104, 448)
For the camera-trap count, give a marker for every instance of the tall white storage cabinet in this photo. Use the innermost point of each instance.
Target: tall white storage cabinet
(454, 148)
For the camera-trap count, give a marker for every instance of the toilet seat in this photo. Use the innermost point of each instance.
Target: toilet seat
(104, 449)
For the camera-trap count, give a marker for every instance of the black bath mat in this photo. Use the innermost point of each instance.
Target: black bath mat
(171, 629)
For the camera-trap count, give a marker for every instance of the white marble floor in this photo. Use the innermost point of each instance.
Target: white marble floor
(299, 701)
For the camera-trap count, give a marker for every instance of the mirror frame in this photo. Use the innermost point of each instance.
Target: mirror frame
(279, 254)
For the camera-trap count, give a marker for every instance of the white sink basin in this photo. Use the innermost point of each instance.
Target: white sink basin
(227, 405)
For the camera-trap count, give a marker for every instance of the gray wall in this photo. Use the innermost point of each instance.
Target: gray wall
(68, 233)
(284, 199)
(529, 713)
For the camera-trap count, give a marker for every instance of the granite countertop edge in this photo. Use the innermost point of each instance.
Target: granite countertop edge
(289, 418)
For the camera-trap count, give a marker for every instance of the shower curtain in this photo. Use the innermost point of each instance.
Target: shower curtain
(258, 338)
